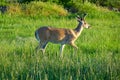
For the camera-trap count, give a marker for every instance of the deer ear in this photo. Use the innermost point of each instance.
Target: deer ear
(78, 17)
(84, 15)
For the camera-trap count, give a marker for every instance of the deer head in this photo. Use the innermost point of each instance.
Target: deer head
(82, 21)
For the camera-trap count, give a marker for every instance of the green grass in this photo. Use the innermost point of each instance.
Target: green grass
(98, 56)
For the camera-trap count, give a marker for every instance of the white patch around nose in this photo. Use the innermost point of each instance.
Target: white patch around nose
(86, 26)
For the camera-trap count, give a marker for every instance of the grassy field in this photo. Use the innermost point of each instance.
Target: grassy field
(98, 57)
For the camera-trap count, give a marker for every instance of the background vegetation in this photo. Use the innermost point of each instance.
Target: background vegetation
(108, 3)
(98, 57)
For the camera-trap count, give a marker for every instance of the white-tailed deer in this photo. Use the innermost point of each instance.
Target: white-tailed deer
(60, 36)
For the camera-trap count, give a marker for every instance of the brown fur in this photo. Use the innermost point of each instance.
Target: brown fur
(57, 35)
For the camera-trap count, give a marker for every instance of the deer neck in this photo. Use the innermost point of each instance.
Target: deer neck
(79, 28)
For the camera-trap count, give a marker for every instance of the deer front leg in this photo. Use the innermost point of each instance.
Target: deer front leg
(43, 47)
(75, 47)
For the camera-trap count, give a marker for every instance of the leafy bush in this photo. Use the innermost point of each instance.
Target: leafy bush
(41, 8)
(93, 10)
(37, 8)
(2, 2)
(14, 9)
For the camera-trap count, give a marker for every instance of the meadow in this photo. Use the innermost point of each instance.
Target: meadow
(98, 56)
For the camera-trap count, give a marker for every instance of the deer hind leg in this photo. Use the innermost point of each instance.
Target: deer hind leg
(42, 46)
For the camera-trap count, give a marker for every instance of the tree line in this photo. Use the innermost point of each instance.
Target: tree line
(69, 3)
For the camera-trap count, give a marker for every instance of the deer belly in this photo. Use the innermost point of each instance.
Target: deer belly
(58, 42)
(62, 40)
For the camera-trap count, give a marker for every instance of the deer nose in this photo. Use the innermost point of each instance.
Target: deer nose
(89, 26)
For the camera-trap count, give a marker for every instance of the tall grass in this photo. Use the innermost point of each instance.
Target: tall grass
(97, 58)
